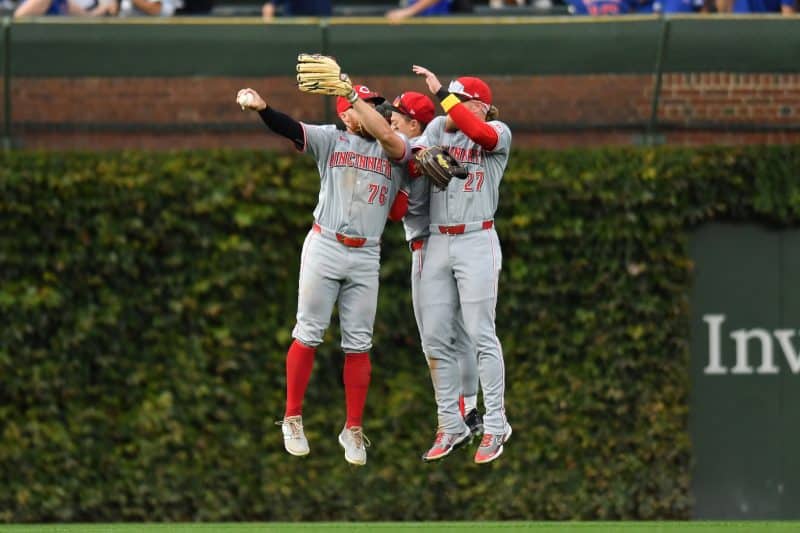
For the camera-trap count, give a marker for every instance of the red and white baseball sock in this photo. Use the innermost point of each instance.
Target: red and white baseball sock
(357, 371)
(299, 362)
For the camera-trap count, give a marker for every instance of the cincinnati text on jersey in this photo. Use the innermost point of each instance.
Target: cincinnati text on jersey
(363, 162)
(466, 155)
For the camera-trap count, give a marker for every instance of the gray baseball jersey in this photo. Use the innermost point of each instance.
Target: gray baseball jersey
(417, 218)
(341, 253)
(461, 268)
(475, 198)
(416, 223)
(358, 180)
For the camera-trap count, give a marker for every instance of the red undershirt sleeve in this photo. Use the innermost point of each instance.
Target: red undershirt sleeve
(473, 127)
(399, 207)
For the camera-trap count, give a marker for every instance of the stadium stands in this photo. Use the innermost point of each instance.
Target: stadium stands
(377, 8)
(361, 8)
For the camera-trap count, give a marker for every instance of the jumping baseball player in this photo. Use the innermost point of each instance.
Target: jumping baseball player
(359, 178)
(410, 113)
(463, 260)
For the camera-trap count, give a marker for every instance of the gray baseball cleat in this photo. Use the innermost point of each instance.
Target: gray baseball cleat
(355, 445)
(492, 446)
(294, 439)
(446, 443)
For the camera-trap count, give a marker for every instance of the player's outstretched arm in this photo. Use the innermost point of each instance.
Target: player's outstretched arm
(393, 144)
(278, 122)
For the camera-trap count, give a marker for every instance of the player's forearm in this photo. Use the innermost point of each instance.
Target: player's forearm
(473, 127)
(376, 125)
(284, 125)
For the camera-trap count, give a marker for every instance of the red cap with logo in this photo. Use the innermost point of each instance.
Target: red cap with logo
(415, 105)
(363, 92)
(472, 88)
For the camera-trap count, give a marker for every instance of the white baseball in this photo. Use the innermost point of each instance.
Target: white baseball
(245, 99)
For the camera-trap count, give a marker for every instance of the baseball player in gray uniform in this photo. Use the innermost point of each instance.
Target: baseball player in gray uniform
(360, 170)
(410, 113)
(462, 260)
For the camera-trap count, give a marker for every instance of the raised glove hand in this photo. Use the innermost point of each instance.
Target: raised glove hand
(437, 163)
(319, 74)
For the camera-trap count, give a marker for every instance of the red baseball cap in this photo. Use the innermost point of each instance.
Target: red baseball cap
(363, 92)
(472, 88)
(415, 105)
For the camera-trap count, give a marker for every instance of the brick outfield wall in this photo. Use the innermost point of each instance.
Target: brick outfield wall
(552, 111)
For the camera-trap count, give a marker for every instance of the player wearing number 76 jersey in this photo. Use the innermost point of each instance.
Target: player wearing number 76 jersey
(463, 259)
(360, 175)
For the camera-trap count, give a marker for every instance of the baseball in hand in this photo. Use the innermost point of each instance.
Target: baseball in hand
(245, 99)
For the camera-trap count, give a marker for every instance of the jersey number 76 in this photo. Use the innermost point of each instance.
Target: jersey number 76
(377, 191)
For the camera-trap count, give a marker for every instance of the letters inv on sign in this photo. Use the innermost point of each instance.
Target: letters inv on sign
(742, 337)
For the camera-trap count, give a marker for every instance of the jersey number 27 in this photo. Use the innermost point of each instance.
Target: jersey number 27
(474, 181)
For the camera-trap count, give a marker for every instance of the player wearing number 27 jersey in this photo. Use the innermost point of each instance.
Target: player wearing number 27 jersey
(410, 113)
(463, 259)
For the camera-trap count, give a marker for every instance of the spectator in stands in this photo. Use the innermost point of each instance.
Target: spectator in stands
(297, 8)
(785, 7)
(623, 7)
(500, 4)
(74, 8)
(601, 7)
(678, 6)
(646, 6)
(426, 8)
(152, 8)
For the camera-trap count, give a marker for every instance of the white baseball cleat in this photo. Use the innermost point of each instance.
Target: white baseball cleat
(355, 445)
(294, 439)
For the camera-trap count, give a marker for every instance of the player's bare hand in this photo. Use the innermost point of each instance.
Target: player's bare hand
(250, 99)
(430, 78)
